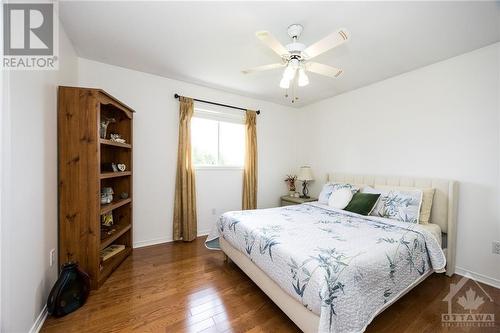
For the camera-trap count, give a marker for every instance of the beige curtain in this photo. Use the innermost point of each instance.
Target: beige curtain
(185, 224)
(250, 172)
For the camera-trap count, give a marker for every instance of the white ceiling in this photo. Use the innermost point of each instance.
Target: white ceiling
(210, 43)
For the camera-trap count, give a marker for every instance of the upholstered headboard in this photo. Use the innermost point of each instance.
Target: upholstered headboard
(444, 205)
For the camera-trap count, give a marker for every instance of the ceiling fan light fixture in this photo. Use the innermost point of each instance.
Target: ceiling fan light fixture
(294, 63)
(284, 83)
(289, 73)
(303, 79)
(295, 57)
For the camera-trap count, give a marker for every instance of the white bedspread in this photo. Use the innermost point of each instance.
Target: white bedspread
(342, 266)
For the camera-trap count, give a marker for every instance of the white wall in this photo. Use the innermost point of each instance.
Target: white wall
(29, 188)
(438, 121)
(155, 149)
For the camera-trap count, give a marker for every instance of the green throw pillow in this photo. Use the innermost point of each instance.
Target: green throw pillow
(362, 203)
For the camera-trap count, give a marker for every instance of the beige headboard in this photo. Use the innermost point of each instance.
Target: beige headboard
(444, 205)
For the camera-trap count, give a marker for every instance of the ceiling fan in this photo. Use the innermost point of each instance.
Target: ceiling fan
(295, 56)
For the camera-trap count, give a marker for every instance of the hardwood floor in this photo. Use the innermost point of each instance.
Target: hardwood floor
(183, 287)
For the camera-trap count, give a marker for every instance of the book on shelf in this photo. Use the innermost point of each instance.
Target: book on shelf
(111, 251)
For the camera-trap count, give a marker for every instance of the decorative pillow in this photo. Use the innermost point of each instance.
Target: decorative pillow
(400, 205)
(427, 198)
(369, 189)
(340, 198)
(362, 203)
(351, 187)
(379, 205)
(329, 188)
(324, 195)
(425, 209)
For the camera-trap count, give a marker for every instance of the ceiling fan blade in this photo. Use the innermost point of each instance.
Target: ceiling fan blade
(263, 68)
(316, 67)
(329, 42)
(272, 42)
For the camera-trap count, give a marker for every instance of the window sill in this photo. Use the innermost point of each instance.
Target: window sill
(218, 167)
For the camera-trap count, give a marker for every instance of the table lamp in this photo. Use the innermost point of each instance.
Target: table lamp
(305, 175)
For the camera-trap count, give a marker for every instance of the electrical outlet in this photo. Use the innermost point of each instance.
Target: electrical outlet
(52, 257)
(214, 211)
(495, 247)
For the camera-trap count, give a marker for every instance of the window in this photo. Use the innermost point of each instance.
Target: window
(217, 139)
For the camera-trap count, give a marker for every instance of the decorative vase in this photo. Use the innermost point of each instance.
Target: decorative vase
(103, 128)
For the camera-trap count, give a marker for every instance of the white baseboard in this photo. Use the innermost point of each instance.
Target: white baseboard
(203, 233)
(37, 325)
(150, 242)
(162, 240)
(478, 277)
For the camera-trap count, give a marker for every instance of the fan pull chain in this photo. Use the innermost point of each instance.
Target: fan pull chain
(292, 95)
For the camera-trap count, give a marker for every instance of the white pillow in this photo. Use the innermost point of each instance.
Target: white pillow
(340, 198)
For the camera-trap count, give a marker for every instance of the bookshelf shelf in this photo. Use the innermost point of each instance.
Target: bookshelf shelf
(107, 267)
(115, 204)
(105, 175)
(120, 230)
(114, 143)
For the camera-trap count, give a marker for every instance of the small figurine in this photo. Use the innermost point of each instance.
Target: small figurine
(106, 195)
(117, 138)
(107, 219)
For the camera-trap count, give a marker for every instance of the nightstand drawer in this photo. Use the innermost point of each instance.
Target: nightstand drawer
(287, 203)
(287, 200)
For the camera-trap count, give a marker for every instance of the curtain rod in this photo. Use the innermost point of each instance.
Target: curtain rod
(176, 96)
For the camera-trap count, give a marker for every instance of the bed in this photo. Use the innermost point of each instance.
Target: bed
(334, 271)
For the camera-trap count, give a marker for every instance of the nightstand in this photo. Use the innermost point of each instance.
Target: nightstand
(287, 200)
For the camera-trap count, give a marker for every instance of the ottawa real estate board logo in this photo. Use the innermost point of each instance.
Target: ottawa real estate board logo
(30, 36)
(469, 305)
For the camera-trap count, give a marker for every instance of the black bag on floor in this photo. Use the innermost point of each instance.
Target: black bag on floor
(69, 292)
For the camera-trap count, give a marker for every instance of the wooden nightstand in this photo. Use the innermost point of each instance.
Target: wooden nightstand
(287, 200)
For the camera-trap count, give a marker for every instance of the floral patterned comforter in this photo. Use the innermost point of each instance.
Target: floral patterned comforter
(342, 266)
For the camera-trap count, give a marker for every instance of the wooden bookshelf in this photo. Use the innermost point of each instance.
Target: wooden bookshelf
(83, 155)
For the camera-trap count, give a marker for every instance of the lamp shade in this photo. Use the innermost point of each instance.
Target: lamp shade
(303, 79)
(305, 173)
(284, 83)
